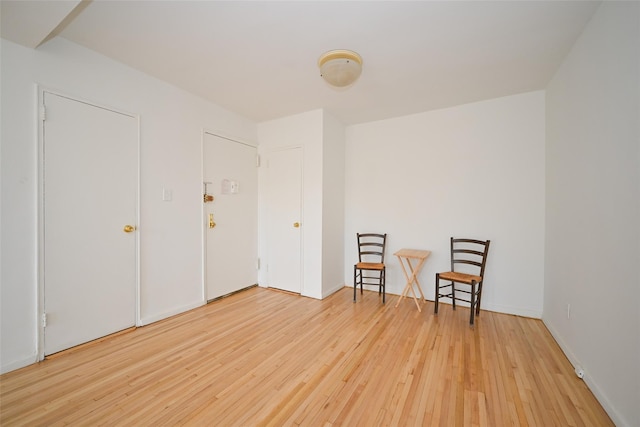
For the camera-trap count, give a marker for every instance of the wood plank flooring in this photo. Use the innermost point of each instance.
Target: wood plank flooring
(266, 358)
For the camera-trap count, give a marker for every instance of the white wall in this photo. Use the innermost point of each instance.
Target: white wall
(593, 208)
(476, 171)
(333, 170)
(321, 137)
(301, 130)
(171, 138)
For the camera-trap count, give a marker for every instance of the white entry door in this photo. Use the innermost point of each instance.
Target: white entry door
(231, 219)
(89, 211)
(284, 229)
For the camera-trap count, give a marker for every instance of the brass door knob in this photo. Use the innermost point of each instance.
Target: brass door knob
(296, 225)
(128, 228)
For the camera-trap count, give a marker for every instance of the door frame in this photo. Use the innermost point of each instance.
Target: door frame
(203, 219)
(40, 304)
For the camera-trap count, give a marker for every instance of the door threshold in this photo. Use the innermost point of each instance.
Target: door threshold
(88, 343)
(285, 292)
(232, 293)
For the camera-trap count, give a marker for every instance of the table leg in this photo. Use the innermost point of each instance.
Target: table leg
(406, 287)
(415, 277)
(410, 280)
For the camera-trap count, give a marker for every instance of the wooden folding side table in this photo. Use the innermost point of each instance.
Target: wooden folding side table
(405, 256)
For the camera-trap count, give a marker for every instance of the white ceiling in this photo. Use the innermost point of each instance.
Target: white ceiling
(259, 58)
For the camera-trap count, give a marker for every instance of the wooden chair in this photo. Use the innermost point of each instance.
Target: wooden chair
(468, 259)
(370, 269)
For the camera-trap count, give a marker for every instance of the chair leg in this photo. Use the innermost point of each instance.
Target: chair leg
(435, 307)
(479, 299)
(472, 309)
(355, 283)
(383, 285)
(453, 295)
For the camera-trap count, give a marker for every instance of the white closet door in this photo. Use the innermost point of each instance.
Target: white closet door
(89, 198)
(284, 229)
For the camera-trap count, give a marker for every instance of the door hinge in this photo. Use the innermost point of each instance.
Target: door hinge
(43, 113)
(257, 160)
(44, 320)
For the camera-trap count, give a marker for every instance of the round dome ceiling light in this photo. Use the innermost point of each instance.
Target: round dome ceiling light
(340, 67)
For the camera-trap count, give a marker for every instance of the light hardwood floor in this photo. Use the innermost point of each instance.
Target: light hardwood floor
(266, 358)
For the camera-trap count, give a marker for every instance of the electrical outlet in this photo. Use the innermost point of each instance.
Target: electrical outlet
(167, 194)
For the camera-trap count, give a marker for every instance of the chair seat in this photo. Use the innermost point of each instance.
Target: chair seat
(460, 277)
(369, 266)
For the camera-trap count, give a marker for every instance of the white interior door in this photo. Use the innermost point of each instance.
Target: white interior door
(284, 229)
(90, 181)
(231, 219)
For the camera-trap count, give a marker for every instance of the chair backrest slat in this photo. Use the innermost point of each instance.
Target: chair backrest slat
(469, 252)
(371, 247)
(466, 261)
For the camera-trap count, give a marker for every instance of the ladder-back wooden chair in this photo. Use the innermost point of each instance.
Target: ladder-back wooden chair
(370, 269)
(468, 259)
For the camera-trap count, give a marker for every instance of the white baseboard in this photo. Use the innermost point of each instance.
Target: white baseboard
(156, 317)
(593, 386)
(17, 364)
(332, 290)
(505, 309)
(517, 311)
(311, 295)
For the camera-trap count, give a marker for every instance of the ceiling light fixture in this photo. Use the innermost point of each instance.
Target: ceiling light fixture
(340, 67)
